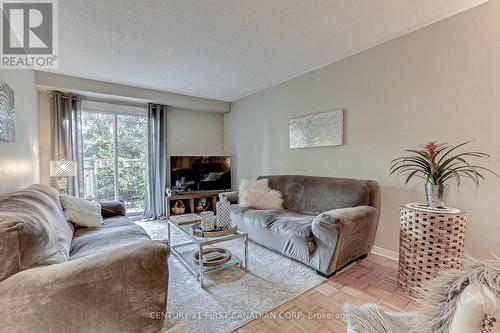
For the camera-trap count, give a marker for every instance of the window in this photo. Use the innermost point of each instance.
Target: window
(115, 142)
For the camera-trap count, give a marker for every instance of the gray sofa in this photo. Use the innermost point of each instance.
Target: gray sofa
(326, 224)
(55, 277)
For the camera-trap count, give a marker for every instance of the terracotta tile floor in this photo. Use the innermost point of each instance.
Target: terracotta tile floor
(320, 309)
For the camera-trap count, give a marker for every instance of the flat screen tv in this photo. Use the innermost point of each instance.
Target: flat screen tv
(200, 173)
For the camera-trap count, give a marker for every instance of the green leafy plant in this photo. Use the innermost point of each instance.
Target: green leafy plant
(437, 163)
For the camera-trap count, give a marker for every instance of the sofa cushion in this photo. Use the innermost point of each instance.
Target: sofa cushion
(35, 218)
(286, 221)
(115, 232)
(314, 195)
(85, 213)
(112, 222)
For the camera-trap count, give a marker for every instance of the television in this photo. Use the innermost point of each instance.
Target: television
(200, 173)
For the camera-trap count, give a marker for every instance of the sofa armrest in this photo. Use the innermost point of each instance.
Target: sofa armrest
(120, 290)
(232, 196)
(350, 231)
(110, 208)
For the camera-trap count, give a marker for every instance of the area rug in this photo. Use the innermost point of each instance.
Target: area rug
(230, 296)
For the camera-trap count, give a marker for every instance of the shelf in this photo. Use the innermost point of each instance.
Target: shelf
(194, 195)
(189, 200)
(185, 252)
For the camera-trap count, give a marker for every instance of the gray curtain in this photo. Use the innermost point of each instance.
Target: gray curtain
(66, 136)
(157, 161)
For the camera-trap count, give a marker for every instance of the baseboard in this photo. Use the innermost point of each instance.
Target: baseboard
(385, 253)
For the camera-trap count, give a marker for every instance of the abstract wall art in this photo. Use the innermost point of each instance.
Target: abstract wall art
(317, 130)
(7, 113)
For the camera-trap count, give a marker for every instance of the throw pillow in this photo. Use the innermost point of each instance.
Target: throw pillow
(262, 199)
(259, 184)
(83, 212)
(33, 229)
(9, 248)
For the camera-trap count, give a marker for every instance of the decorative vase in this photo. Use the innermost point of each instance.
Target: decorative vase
(207, 220)
(223, 215)
(436, 194)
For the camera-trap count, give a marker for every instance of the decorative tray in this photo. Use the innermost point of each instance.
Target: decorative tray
(198, 232)
(186, 219)
(213, 256)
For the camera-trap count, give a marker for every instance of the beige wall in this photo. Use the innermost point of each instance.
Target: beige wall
(194, 133)
(19, 160)
(188, 133)
(441, 82)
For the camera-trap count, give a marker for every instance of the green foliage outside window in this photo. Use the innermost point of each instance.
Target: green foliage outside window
(98, 152)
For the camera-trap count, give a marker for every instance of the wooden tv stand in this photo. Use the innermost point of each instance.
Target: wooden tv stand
(190, 200)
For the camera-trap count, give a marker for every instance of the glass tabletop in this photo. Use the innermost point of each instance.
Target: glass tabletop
(186, 229)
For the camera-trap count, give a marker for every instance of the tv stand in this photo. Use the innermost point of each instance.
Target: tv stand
(179, 192)
(191, 201)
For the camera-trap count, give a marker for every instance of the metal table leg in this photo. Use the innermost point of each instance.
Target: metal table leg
(200, 248)
(246, 252)
(168, 232)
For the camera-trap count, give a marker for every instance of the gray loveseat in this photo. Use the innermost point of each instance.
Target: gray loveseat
(326, 224)
(55, 277)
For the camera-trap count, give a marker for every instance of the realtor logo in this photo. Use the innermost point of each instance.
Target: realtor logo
(29, 34)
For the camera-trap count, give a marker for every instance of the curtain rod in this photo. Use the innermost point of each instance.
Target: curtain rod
(102, 100)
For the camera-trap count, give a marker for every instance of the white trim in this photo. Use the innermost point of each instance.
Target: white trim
(109, 108)
(385, 253)
(114, 91)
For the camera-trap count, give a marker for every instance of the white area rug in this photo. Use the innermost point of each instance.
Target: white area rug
(231, 296)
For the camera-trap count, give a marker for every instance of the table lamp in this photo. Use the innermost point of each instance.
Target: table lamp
(63, 169)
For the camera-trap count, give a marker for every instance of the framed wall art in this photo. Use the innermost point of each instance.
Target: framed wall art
(7, 113)
(317, 130)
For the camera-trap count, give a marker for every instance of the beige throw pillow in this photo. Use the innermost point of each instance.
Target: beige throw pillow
(83, 212)
(250, 184)
(257, 194)
(262, 199)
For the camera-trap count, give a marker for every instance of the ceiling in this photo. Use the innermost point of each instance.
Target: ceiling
(227, 49)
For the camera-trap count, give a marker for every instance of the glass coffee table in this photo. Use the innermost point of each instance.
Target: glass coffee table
(185, 251)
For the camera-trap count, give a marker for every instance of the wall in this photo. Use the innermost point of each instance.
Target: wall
(440, 82)
(19, 161)
(188, 133)
(194, 133)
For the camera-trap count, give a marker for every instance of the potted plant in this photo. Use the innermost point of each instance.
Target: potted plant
(438, 163)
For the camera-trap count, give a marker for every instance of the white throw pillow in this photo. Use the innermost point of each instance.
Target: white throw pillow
(259, 184)
(261, 199)
(83, 212)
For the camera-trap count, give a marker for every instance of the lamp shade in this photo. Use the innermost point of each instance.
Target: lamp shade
(63, 168)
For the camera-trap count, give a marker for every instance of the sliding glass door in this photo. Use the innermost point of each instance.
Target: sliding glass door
(115, 154)
(132, 159)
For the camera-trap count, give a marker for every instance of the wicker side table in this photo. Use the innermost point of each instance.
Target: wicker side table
(429, 241)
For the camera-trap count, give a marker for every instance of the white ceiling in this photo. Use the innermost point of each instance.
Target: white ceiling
(227, 49)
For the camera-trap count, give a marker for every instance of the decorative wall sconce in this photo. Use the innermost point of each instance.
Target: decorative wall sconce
(7, 113)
